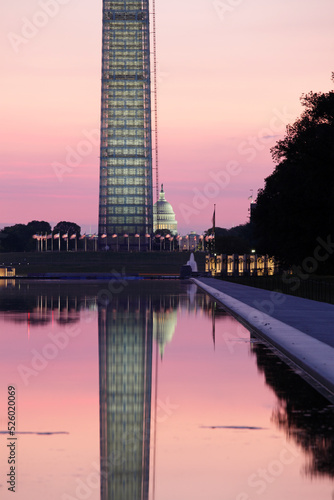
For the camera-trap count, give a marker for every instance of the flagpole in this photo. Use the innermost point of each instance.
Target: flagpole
(214, 228)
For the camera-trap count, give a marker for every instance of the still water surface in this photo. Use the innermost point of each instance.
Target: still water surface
(147, 390)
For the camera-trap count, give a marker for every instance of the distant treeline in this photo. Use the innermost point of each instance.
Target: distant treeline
(22, 237)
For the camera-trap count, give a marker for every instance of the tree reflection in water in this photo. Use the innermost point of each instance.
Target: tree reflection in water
(303, 413)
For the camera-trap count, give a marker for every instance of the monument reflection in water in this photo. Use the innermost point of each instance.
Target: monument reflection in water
(125, 348)
(127, 326)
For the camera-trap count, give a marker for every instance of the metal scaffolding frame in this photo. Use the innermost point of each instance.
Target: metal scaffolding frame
(126, 191)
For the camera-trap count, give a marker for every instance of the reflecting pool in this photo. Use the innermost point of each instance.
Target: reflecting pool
(148, 390)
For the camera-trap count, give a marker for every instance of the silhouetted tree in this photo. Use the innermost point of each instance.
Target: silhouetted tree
(296, 206)
(66, 227)
(19, 238)
(238, 239)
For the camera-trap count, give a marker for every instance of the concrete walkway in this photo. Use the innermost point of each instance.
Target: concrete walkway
(302, 329)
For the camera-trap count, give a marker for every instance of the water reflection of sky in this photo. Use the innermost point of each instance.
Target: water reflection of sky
(232, 421)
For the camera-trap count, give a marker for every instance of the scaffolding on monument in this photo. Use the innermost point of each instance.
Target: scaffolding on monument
(126, 183)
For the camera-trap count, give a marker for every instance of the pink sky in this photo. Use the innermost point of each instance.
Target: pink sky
(230, 77)
(50, 465)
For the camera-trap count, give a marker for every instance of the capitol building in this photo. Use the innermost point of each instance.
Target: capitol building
(163, 214)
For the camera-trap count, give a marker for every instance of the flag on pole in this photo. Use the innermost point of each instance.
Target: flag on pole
(55, 236)
(214, 219)
(104, 235)
(73, 236)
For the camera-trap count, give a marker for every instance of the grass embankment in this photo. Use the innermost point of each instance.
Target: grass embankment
(311, 287)
(146, 263)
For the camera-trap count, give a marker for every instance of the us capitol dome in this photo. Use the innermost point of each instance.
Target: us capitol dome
(163, 214)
